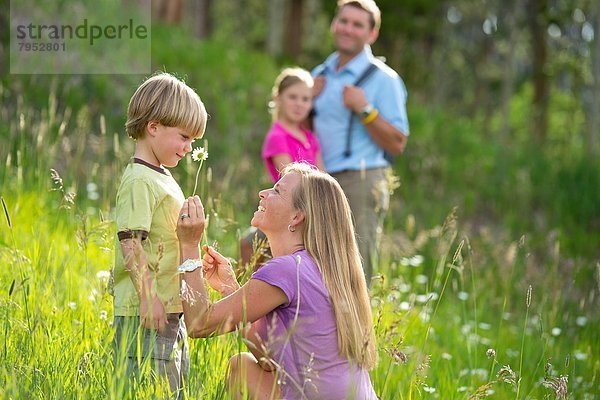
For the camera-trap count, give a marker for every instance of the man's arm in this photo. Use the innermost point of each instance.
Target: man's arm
(383, 133)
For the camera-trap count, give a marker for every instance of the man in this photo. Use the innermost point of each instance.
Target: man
(356, 157)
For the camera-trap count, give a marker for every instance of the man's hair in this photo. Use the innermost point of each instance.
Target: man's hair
(170, 102)
(286, 78)
(367, 5)
(329, 238)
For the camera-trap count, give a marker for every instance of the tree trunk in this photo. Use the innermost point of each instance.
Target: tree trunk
(168, 11)
(593, 114)
(508, 75)
(276, 22)
(294, 33)
(536, 14)
(202, 18)
(174, 8)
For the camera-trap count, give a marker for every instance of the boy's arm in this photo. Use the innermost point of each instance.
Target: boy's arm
(152, 311)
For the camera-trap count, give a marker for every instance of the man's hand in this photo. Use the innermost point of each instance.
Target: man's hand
(319, 84)
(354, 98)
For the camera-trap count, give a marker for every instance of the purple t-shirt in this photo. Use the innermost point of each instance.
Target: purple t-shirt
(281, 141)
(301, 335)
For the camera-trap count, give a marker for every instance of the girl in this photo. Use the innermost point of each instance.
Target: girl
(288, 140)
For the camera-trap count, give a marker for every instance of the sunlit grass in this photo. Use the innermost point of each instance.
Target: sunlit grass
(436, 314)
(449, 291)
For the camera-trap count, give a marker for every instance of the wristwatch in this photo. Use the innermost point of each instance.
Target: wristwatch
(366, 111)
(189, 265)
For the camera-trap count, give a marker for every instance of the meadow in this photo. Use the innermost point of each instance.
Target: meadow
(489, 277)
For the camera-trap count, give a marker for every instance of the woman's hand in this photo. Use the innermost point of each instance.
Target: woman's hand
(190, 226)
(218, 272)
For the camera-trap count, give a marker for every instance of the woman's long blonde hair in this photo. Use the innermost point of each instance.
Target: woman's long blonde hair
(329, 238)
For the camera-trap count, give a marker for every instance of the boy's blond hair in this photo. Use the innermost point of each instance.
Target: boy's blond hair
(368, 5)
(170, 102)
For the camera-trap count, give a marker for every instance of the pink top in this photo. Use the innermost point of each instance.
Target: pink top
(280, 141)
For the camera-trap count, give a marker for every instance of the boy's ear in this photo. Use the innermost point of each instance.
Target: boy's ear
(151, 128)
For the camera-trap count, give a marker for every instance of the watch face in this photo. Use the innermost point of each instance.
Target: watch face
(364, 113)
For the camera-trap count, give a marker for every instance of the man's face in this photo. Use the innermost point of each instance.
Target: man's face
(352, 30)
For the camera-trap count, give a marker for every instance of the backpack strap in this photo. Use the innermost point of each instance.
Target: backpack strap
(362, 78)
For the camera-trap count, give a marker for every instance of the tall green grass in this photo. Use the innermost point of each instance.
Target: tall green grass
(437, 309)
(451, 307)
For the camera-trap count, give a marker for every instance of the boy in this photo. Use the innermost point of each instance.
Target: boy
(164, 117)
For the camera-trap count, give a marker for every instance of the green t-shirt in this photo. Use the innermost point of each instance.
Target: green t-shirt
(148, 200)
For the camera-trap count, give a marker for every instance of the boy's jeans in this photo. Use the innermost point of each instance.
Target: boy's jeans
(167, 353)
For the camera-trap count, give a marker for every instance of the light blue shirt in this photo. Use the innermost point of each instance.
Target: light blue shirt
(384, 89)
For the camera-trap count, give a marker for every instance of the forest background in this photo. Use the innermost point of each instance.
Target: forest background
(494, 230)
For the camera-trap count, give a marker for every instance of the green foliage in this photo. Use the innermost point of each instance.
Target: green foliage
(448, 292)
(438, 308)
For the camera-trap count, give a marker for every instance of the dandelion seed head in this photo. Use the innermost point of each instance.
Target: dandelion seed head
(581, 321)
(422, 298)
(463, 296)
(512, 352)
(72, 305)
(91, 187)
(428, 389)
(556, 331)
(404, 287)
(415, 261)
(103, 275)
(485, 341)
(485, 326)
(466, 328)
(393, 296)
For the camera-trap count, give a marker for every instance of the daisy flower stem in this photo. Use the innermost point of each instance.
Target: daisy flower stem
(197, 175)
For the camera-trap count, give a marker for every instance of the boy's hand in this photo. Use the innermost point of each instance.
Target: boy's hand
(152, 314)
(191, 223)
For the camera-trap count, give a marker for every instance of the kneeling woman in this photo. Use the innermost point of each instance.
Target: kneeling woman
(311, 332)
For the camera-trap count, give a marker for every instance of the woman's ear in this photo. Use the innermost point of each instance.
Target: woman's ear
(298, 218)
